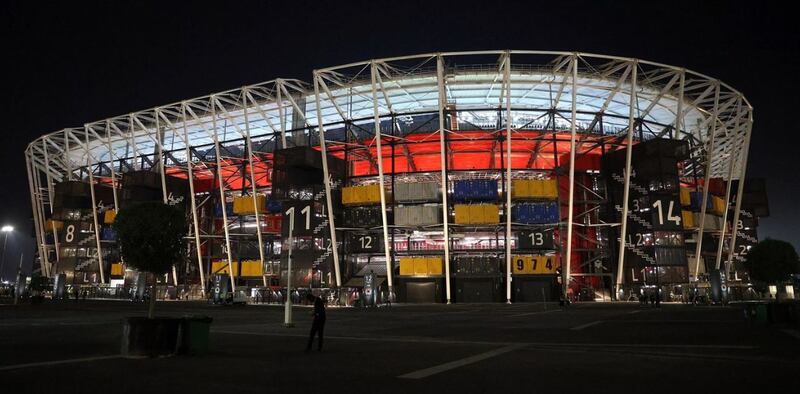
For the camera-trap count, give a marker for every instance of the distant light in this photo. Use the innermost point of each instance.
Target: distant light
(7, 229)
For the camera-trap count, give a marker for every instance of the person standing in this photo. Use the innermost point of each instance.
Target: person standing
(318, 324)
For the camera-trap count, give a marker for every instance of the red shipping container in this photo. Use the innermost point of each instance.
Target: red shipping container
(716, 186)
(272, 223)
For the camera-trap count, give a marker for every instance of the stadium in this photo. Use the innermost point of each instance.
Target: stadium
(490, 176)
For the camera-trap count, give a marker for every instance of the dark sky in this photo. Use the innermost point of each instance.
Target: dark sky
(68, 63)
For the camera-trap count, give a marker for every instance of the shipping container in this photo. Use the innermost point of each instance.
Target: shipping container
(688, 219)
(363, 195)
(712, 223)
(417, 215)
(546, 189)
(686, 197)
(244, 205)
(697, 202)
(475, 190)
(364, 217)
(535, 213)
(252, 268)
(718, 205)
(421, 266)
(109, 216)
(117, 269)
(417, 192)
(220, 267)
(49, 224)
(477, 214)
(228, 209)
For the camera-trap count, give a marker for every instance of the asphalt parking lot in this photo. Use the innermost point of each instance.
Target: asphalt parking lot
(476, 348)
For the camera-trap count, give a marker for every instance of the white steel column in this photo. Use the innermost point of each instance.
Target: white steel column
(249, 147)
(731, 165)
(443, 155)
(327, 181)
(739, 192)
(222, 193)
(627, 176)
(195, 223)
(41, 217)
(507, 85)
(281, 115)
(573, 130)
(40, 238)
(50, 193)
(162, 163)
(94, 210)
(706, 179)
(111, 156)
(377, 119)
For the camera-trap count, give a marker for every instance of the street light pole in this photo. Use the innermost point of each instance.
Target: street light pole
(19, 279)
(287, 312)
(6, 229)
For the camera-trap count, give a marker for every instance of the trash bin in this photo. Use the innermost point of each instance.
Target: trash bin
(194, 340)
(761, 314)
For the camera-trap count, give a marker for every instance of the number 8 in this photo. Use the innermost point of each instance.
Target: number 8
(70, 236)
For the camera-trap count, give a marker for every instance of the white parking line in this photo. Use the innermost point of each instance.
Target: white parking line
(535, 313)
(58, 362)
(587, 325)
(793, 333)
(521, 344)
(424, 373)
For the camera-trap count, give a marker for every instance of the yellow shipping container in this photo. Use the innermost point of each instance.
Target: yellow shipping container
(520, 188)
(686, 196)
(719, 205)
(421, 266)
(369, 194)
(462, 214)
(407, 266)
(372, 194)
(348, 195)
(544, 264)
(244, 205)
(547, 189)
(521, 264)
(221, 268)
(434, 265)
(109, 216)
(252, 268)
(534, 188)
(116, 269)
(50, 223)
(688, 219)
(490, 214)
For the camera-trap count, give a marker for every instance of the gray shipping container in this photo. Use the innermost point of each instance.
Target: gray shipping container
(418, 215)
(713, 223)
(417, 192)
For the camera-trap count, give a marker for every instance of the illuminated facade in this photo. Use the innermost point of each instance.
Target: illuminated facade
(553, 133)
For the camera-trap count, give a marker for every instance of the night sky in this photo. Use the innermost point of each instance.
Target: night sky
(69, 63)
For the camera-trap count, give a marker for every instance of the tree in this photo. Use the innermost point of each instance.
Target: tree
(772, 261)
(150, 237)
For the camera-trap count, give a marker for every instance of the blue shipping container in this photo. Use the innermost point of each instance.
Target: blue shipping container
(274, 206)
(697, 201)
(475, 190)
(108, 234)
(228, 209)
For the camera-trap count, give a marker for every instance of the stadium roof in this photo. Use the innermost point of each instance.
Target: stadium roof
(474, 83)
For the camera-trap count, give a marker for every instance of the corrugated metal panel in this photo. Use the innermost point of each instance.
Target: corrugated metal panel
(417, 192)
(418, 215)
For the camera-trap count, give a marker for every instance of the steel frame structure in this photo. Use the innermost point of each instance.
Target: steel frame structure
(579, 92)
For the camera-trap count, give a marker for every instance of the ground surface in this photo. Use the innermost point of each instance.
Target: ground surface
(484, 348)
